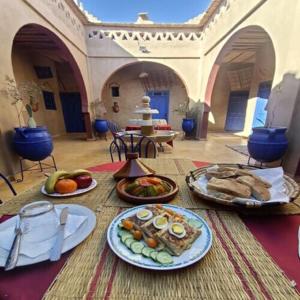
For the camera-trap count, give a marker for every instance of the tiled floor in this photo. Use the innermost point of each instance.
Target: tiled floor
(73, 152)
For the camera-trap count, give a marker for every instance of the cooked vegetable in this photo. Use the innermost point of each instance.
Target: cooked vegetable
(164, 258)
(147, 187)
(127, 224)
(152, 243)
(131, 186)
(137, 234)
(154, 180)
(137, 247)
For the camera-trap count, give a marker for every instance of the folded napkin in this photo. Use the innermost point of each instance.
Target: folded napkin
(34, 248)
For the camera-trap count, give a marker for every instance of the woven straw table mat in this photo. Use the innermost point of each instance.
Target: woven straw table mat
(93, 199)
(236, 267)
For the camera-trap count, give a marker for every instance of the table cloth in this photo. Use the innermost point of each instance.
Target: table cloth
(156, 127)
(252, 256)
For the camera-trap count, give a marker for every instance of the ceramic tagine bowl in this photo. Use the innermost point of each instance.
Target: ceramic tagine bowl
(140, 185)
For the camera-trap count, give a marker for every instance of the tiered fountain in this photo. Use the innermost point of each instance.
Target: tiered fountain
(147, 127)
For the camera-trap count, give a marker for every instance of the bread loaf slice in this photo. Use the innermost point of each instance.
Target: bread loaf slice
(229, 187)
(258, 191)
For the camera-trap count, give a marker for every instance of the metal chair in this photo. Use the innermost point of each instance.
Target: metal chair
(114, 128)
(9, 184)
(129, 143)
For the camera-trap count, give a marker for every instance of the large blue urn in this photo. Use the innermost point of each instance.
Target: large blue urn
(101, 125)
(33, 143)
(267, 144)
(188, 125)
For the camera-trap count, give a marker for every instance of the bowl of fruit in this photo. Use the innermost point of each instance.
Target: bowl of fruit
(147, 189)
(67, 184)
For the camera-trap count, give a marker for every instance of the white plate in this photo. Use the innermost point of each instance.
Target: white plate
(198, 250)
(77, 192)
(70, 242)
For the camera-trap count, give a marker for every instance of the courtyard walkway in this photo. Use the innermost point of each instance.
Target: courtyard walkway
(73, 152)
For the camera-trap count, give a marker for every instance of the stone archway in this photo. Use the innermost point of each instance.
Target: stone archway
(36, 46)
(137, 79)
(246, 60)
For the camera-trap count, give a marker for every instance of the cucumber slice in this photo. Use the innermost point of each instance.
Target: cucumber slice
(124, 237)
(195, 223)
(137, 247)
(164, 258)
(147, 251)
(122, 232)
(153, 255)
(128, 242)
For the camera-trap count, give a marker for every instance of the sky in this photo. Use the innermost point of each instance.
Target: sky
(160, 11)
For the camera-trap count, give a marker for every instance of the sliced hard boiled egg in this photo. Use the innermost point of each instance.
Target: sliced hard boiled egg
(160, 222)
(177, 229)
(144, 214)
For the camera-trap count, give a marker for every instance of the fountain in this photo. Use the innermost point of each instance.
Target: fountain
(147, 127)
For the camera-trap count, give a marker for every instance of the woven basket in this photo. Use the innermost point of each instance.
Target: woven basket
(291, 188)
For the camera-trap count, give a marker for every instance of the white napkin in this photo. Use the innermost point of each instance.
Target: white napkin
(36, 248)
(271, 175)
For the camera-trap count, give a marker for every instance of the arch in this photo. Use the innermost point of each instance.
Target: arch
(40, 38)
(119, 68)
(161, 82)
(229, 47)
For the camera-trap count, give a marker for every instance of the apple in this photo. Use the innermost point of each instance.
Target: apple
(83, 181)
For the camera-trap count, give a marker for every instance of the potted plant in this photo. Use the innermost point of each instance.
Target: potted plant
(188, 124)
(99, 111)
(31, 142)
(268, 143)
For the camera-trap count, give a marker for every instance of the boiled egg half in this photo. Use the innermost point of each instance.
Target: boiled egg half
(177, 229)
(160, 222)
(144, 214)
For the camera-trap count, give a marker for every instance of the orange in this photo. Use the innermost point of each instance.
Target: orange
(64, 186)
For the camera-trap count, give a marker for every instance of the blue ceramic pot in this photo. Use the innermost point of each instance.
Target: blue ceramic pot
(101, 126)
(33, 143)
(267, 144)
(188, 125)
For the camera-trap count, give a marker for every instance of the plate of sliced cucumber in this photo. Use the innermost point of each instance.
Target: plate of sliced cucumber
(139, 251)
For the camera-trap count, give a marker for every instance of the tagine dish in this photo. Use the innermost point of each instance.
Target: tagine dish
(147, 189)
(159, 237)
(66, 184)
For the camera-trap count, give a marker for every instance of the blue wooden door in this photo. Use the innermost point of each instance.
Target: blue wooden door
(160, 101)
(236, 114)
(71, 107)
(260, 114)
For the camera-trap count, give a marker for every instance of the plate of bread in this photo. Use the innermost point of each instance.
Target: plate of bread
(232, 184)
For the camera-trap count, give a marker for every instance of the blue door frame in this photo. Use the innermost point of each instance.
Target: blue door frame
(71, 107)
(260, 114)
(160, 101)
(236, 113)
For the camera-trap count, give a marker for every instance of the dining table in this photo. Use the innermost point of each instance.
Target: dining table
(159, 127)
(254, 254)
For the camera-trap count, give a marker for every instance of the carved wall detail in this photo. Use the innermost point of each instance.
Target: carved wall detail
(144, 36)
(62, 11)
